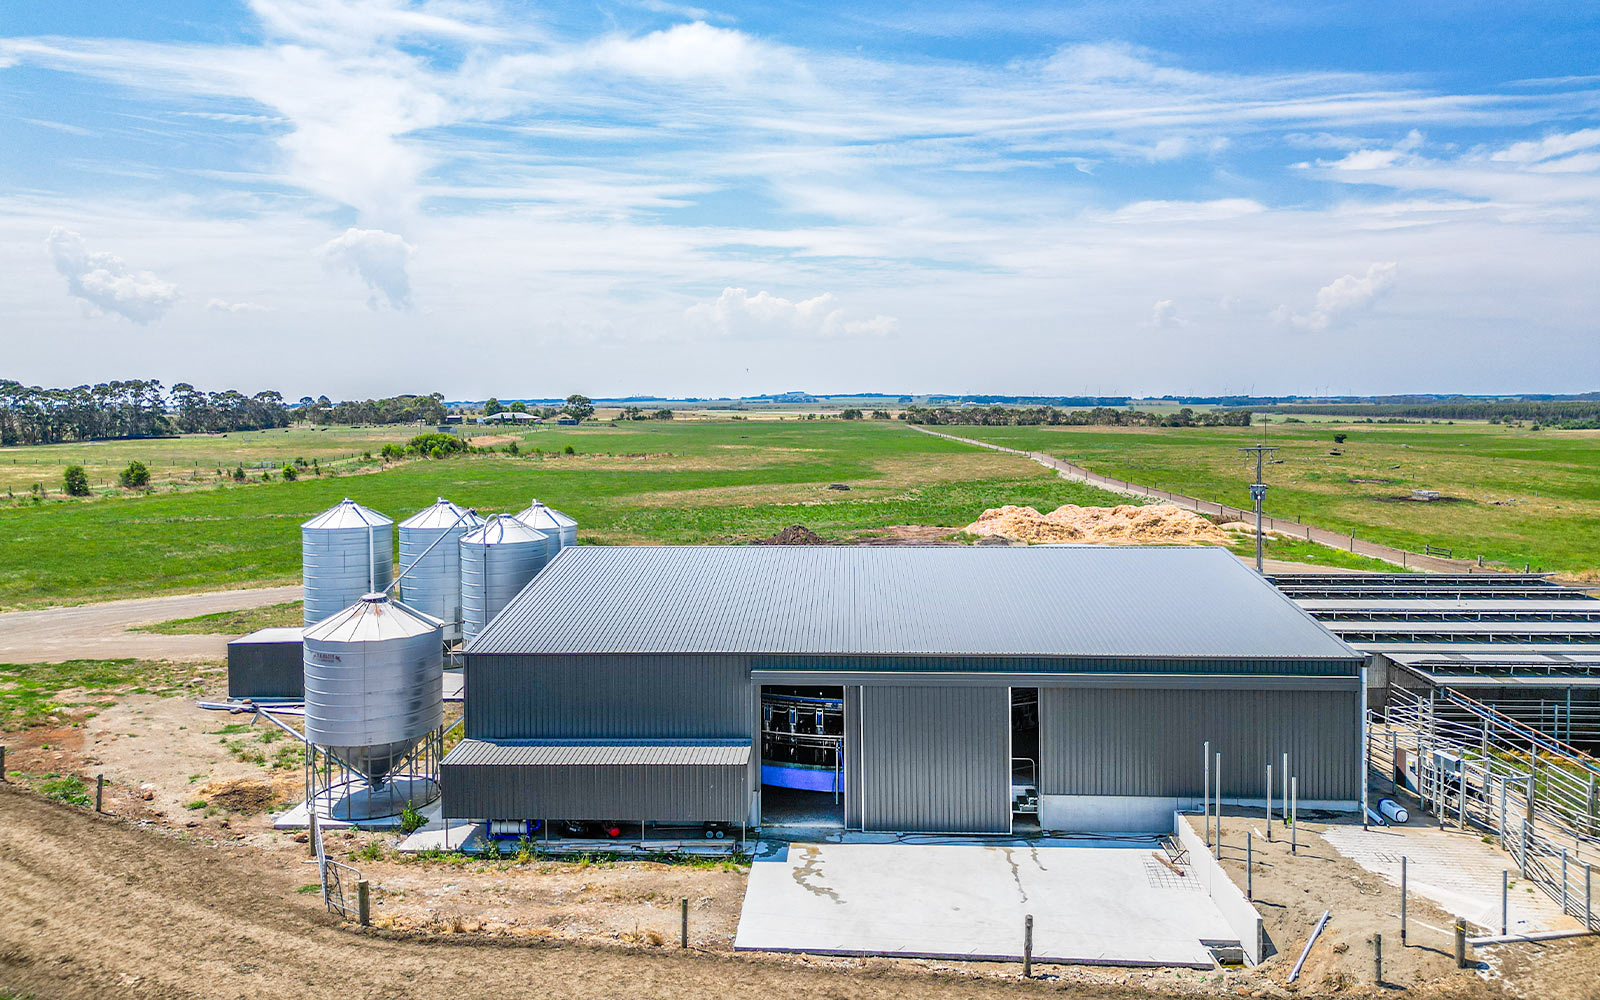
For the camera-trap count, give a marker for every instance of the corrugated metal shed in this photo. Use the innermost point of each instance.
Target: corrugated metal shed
(655, 782)
(1150, 742)
(936, 759)
(563, 753)
(1083, 601)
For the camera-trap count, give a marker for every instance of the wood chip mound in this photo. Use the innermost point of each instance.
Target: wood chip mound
(1158, 524)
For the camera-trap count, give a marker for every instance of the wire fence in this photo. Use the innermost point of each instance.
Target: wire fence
(334, 875)
(1477, 768)
(1436, 559)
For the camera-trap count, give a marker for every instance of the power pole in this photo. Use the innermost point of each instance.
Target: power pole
(1258, 493)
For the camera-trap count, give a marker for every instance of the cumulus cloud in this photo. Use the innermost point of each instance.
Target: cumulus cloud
(1345, 295)
(380, 259)
(224, 306)
(737, 313)
(106, 282)
(1164, 315)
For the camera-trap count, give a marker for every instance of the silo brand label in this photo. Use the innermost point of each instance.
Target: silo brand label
(326, 657)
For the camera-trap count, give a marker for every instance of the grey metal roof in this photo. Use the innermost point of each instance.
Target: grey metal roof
(347, 514)
(273, 635)
(581, 753)
(1077, 601)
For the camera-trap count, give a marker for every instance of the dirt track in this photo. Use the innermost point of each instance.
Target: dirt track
(99, 631)
(91, 907)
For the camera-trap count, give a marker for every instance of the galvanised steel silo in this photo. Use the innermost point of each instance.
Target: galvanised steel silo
(430, 561)
(563, 530)
(497, 561)
(346, 551)
(374, 675)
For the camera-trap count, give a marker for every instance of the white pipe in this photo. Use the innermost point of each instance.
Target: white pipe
(1393, 810)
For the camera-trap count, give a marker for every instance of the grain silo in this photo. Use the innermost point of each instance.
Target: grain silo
(346, 551)
(430, 561)
(374, 695)
(498, 559)
(563, 530)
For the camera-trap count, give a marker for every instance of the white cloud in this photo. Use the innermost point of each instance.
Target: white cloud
(1344, 295)
(224, 306)
(762, 316)
(691, 51)
(1164, 315)
(106, 282)
(1548, 147)
(380, 259)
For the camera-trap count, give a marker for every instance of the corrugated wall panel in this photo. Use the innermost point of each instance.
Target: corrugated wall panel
(936, 759)
(1121, 741)
(852, 757)
(266, 670)
(607, 697)
(681, 793)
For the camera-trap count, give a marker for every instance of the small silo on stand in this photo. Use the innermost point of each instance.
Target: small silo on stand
(497, 561)
(563, 530)
(430, 562)
(374, 677)
(346, 551)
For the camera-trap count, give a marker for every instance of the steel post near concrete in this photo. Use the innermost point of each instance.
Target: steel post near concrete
(1377, 958)
(1294, 815)
(363, 903)
(683, 920)
(1505, 901)
(1027, 947)
(1205, 763)
(1461, 943)
(1461, 805)
(1249, 866)
(1588, 897)
(1564, 881)
(1402, 901)
(1219, 807)
(1269, 802)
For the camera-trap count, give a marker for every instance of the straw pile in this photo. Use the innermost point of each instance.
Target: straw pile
(1159, 524)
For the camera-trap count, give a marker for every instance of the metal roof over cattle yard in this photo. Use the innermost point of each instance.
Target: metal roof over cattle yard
(1040, 601)
(613, 753)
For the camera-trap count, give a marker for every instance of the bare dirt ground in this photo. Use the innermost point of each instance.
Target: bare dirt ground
(170, 901)
(98, 631)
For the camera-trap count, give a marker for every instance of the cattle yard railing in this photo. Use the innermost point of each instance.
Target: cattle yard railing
(1475, 768)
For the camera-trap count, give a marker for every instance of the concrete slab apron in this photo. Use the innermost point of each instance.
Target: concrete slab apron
(1111, 903)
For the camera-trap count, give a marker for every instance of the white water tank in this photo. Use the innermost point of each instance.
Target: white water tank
(374, 683)
(345, 551)
(563, 530)
(430, 561)
(498, 559)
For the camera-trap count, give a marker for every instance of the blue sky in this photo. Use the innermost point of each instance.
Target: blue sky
(519, 199)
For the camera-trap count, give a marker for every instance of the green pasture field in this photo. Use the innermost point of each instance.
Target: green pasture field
(193, 459)
(1512, 495)
(289, 614)
(711, 482)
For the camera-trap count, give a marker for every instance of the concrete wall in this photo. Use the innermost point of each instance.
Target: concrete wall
(1238, 911)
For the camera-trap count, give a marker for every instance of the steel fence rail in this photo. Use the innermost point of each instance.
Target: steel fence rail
(1476, 768)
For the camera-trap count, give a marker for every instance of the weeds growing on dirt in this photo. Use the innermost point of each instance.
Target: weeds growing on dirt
(70, 789)
(30, 693)
(411, 820)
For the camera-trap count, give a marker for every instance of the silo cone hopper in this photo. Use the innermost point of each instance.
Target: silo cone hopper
(374, 676)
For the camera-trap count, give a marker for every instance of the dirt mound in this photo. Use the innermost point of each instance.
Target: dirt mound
(241, 795)
(794, 534)
(1159, 524)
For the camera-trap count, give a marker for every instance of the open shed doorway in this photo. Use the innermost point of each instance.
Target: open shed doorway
(802, 757)
(1025, 760)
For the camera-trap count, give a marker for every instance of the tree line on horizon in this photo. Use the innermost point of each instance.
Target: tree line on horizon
(1100, 416)
(144, 408)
